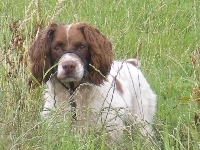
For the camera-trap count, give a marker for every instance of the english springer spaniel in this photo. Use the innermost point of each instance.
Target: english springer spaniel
(82, 80)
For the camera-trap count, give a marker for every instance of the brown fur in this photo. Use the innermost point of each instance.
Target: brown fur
(39, 54)
(132, 63)
(118, 85)
(101, 53)
(98, 50)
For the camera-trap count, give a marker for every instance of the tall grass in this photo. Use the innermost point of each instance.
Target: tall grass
(169, 33)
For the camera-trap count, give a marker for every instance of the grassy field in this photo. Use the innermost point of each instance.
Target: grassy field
(169, 31)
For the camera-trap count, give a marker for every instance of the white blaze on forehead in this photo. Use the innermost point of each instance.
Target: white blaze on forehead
(68, 28)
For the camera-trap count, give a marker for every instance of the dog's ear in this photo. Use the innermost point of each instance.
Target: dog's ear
(40, 57)
(101, 53)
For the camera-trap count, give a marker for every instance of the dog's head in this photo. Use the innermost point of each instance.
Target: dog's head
(74, 52)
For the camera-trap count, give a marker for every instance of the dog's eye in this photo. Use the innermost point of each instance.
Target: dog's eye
(56, 48)
(82, 47)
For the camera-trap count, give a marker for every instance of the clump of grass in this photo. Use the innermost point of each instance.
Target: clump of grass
(195, 59)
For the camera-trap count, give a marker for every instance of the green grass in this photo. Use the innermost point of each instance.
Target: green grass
(169, 31)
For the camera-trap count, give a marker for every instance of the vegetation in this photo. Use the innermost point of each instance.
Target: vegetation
(169, 33)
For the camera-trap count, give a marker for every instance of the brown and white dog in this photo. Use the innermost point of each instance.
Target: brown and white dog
(76, 63)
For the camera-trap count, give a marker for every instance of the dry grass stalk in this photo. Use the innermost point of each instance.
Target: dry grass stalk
(195, 59)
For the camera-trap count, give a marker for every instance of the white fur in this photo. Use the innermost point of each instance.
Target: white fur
(67, 32)
(136, 103)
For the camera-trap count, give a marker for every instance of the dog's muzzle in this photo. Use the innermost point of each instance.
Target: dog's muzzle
(85, 62)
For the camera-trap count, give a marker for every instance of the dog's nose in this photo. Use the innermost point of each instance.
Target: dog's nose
(69, 66)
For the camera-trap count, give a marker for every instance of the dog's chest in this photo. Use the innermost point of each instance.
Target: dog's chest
(82, 96)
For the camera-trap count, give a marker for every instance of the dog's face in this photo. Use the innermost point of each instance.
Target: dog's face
(78, 51)
(70, 50)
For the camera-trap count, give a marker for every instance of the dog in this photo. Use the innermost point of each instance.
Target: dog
(76, 63)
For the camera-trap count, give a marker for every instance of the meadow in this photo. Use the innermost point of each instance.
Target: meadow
(167, 33)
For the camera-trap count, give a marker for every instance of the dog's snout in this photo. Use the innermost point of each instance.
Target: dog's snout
(69, 66)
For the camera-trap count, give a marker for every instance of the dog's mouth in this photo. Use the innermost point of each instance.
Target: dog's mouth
(73, 75)
(69, 78)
